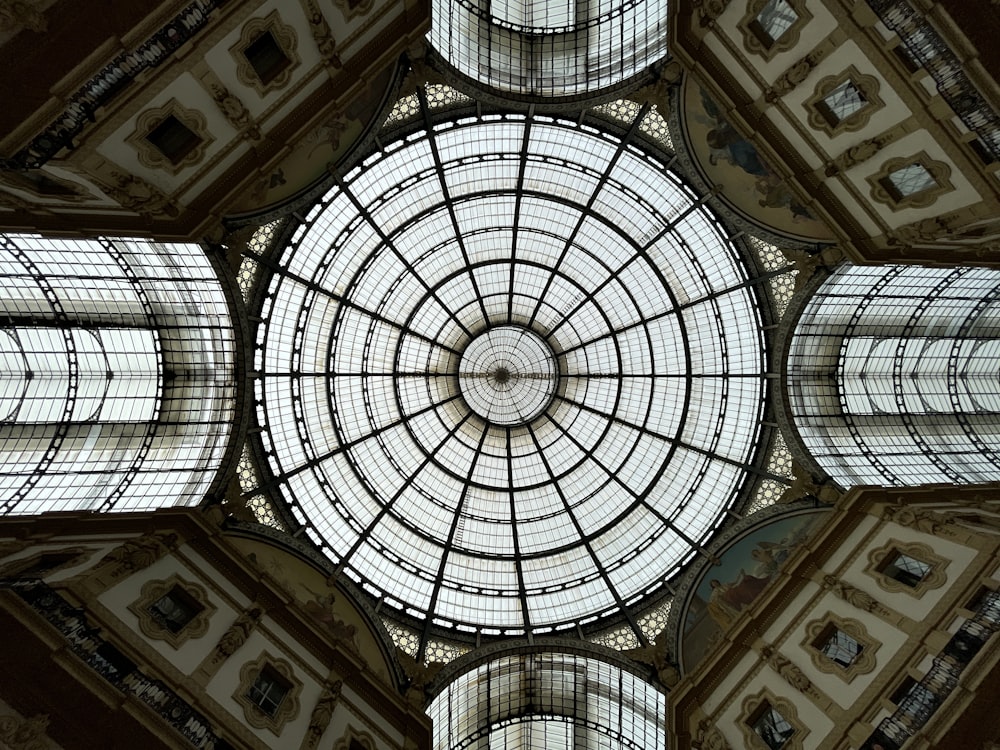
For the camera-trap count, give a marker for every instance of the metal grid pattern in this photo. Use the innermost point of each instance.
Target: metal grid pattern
(579, 511)
(528, 47)
(130, 396)
(892, 375)
(548, 700)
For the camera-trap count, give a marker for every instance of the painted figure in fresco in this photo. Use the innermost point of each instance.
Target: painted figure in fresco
(729, 599)
(727, 145)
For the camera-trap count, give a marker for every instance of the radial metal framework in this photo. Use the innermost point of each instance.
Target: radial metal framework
(511, 375)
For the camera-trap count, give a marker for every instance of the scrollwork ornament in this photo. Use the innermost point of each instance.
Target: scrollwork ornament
(322, 34)
(20, 14)
(238, 632)
(709, 11)
(929, 522)
(323, 713)
(857, 154)
(853, 595)
(137, 195)
(788, 671)
(796, 74)
(17, 733)
(710, 738)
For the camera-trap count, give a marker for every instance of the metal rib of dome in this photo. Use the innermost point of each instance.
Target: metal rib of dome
(511, 375)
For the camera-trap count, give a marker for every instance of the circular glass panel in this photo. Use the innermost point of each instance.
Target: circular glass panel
(511, 375)
(508, 375)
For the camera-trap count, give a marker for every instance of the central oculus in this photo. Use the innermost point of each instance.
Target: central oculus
(508, 375)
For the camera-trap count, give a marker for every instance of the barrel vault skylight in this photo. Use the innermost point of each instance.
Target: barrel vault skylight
(549, 47)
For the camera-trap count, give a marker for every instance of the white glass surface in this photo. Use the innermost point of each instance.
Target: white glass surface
(546, 47)
(499, 407)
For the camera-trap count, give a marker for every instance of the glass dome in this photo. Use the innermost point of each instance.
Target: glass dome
(511, 375)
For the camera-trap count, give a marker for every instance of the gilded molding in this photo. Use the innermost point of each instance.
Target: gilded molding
(794, 75)
(709, 737)
(352, 8)
(863, 662)
(858, 154)
(752, 41)
(321, 32)
(283, 35)
(866, 85)
(135, 194)
(237, 633)
(322, 713)
(18, 733)
(16, 15)
(939, 171)
(352, 735)
(927, 521)
(146, 124)
(130, 557)
(754, 704)
(151, 627)
(709, 11)
(855, 597)
(878, 559)
(287, 709)
(787, 670)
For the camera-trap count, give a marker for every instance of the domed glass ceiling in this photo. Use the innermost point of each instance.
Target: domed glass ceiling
(511, 374)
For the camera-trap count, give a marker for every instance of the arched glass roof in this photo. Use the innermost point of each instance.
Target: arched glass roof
(511, 374)
(548, 700)
(547, 48)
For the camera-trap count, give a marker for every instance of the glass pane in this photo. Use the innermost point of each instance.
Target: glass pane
(911, 180)
(840, 647)
(843, 102)
(772, 728)
(774, 19)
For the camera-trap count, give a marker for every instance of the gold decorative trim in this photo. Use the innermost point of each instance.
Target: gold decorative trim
(355, 738)
(751, 710)
(151, 627)
(76, 555)
(151, 156)
(284, 37)
(287, 709)
(882, 190)
(878, 559)
(19, 733)
(866, 85)
(322, 713)
(62, 190)
(756, 44)
(818, 631)
(352, 8)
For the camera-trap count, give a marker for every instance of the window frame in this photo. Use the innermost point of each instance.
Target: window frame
(818, 633)
(755, 706)
(286, 709)
(153, 156)
(155, 628)
(285, 39)
(867, 87)
(881, 558)
(883, 191)
(754, 40)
